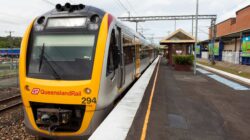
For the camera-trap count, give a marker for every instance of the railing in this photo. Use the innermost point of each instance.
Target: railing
(9, 70)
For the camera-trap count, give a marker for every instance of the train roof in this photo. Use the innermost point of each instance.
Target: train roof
(73, 10)
(87, 10)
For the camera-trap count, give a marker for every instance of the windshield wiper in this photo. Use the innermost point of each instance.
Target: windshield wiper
(43, 57)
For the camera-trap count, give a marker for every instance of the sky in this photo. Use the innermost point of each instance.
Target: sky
(16, 15)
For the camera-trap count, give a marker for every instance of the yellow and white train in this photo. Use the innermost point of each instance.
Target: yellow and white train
(75, 61)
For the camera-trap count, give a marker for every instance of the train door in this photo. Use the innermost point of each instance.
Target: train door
(121, 69)
(137, 57)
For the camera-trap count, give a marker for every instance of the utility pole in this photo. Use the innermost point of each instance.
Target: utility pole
(174, 25)
(12, 61)
(129, 14)
(213, 33)
(196, 34)
(142, 29)
(192, 26)
(152, 39)
(11, 46)
(136, 26)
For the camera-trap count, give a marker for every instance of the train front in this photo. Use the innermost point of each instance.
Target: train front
(60, 68)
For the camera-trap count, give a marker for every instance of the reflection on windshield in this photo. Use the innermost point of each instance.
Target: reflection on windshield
(67, 57)
(43, 57)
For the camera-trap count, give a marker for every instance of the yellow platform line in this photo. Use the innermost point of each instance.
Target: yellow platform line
(145, 125)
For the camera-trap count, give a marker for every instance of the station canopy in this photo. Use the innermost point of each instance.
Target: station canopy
(178, 37)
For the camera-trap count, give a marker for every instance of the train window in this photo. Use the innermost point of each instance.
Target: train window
(128, 49)
(144, 54)
(129, 54)
(65, 57)
(111, 53)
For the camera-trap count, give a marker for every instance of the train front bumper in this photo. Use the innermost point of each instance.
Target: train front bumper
(36, 131)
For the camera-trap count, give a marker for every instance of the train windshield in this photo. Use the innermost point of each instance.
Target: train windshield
(64, 57)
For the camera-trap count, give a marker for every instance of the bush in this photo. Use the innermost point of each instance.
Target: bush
(183, 59)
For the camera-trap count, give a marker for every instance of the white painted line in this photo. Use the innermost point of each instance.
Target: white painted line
(229, 83)
(203, 71)
(222, 80)
(119, 121)
(236, 77)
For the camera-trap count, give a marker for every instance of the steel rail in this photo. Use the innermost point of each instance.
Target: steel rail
(15, 97)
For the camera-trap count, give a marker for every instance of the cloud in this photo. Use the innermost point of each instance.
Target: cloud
(231, 12)
(17, 14)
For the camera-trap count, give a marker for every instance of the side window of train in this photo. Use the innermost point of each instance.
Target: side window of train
(128, 49)
(111, 53)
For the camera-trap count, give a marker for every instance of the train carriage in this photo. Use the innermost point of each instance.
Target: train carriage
(75, 61)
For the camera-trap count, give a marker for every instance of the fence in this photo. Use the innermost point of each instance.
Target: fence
(231, 57)
(9, 72)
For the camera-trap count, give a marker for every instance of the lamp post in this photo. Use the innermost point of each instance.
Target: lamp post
(196, 34)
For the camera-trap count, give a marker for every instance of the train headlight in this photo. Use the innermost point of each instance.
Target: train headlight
(39, 116)
(49, 116)
(87, 90)
(65, 118)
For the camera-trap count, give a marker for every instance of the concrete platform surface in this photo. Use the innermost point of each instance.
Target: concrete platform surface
(188, 107)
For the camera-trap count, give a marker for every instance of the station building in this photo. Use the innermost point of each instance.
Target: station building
(232, 39)
(177, 43)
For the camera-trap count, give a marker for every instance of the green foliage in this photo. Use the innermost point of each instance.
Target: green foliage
(6, 42)
(183, 59)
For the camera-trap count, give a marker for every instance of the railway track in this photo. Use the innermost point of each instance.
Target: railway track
(7, 102)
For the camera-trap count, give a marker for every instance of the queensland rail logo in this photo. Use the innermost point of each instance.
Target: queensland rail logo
(35, 91)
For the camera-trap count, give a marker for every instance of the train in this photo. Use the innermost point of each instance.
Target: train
(9, 52)
(75, 61)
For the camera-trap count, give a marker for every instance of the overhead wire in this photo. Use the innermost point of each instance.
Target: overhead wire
(117, 5)
(122, 5)
(131, 7)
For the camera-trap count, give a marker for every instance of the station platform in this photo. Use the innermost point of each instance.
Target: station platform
(181, 106)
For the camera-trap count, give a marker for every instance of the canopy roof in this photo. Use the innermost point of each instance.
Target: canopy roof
(177, 37)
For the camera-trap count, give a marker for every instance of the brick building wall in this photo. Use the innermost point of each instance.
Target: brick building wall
(224, 27)
(243, 18)
(231, 25)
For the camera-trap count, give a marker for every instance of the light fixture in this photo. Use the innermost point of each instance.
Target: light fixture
(87, 90)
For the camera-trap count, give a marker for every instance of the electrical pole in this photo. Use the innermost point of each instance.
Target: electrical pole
(136, 26)
(174, 25)
(12, 61)
(196, 34)
(11, 46)
(213, 33)
(192, 26)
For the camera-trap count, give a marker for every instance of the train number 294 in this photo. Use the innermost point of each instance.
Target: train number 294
(88, 100)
